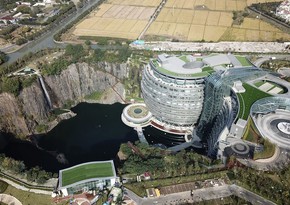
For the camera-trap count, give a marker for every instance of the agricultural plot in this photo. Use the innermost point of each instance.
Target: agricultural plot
(119, 19)
(186, 20)
(254, 30)
(211, 20)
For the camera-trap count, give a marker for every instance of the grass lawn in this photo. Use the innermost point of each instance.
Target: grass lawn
(3, 186)
(94, 96)
(30, 198)
(184, 58)
(243, 60)
(167, 72)
(247, 98)
(259, 83)
(269, 150)
(208, 69)
(251, 133)
(86, 171)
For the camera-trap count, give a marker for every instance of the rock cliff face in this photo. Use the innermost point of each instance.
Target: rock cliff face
(80, 80)
(11, 116)
(19, 115)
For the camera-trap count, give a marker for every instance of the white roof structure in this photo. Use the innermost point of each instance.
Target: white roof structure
(238, 87)
(177, 65)
(218, 59)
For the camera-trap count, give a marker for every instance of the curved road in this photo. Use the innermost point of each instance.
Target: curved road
(260, 61)
(46, 39)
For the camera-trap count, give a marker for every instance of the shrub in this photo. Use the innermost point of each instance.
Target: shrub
(3, 186)
(20, 41)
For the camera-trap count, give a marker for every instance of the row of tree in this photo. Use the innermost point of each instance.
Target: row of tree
(57, 36)
(161, 163)
(269, 8)
(274, 186)
(35, 174)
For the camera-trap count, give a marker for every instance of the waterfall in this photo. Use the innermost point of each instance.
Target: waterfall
(45, 91)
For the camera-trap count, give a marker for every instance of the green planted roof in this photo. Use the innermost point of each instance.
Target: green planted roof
(86, 171)
(174, 74)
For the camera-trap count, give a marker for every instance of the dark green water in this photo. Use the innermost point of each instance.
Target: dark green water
(95, 133)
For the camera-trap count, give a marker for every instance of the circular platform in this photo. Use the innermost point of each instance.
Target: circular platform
(275, 127)
(284, 127)
(240, 148)
(136, 115)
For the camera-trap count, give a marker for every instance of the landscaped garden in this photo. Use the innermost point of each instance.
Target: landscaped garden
(247, 98)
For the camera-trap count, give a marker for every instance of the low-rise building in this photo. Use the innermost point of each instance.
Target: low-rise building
(87, 176)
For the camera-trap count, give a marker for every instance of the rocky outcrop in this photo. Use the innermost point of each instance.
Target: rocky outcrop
(19, 115)
(120, 71)
(11, 116)
(78, 81)
(33, 103)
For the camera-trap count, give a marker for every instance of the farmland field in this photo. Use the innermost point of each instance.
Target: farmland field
(118, 19)
(211, 20)
(185, 20)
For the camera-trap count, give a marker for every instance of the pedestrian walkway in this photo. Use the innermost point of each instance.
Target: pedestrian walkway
(23, 188)
(10, 200)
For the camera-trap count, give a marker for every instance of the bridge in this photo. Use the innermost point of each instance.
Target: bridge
(140, 134)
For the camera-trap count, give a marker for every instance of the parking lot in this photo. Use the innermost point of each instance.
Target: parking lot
(191, 186)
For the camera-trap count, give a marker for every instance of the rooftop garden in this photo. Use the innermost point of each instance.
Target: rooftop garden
(253, 135)
(170, 73)
(86, 171)
(271, 86)
(243, 60)
(184, 58)
(247, 98)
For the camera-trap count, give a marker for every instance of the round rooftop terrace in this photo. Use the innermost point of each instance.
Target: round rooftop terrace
(136, 115)
(183, 67)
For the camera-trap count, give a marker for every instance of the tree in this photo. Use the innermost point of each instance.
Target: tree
(24, 9)
(3, 57)
(20, 41)
(88, 42)
(10, 85)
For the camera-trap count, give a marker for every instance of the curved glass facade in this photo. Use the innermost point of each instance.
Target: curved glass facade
(270, 104)
(173, 100)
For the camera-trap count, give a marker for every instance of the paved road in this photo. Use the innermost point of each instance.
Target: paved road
(249, 196)
(252, 47)
(18, 186)
(200, 195)
(260, 61)
(183, 197)
(46, 40)
(133, 196)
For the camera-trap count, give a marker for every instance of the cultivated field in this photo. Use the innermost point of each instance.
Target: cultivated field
(185, 20)
(253, 30)
(210, 20)
(118, 19)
